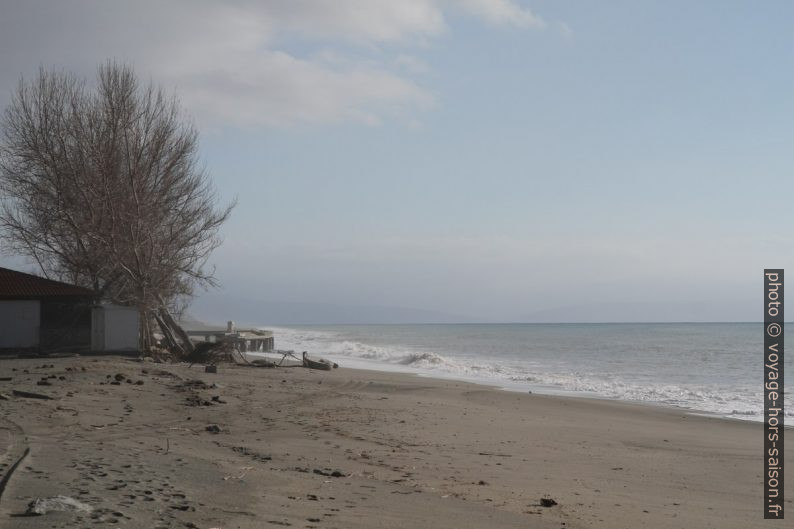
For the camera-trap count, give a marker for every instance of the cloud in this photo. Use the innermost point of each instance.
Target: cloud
(565, 30)
(411, 64)
(503, 12)
(250, 63)
(275, 88)
(362, 21)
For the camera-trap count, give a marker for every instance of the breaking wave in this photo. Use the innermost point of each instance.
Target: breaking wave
(523, 375)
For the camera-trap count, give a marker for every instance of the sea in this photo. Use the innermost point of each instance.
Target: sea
(713, 368)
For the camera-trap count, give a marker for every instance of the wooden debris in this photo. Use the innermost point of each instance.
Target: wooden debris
(174, 328)
(261, 362)
(323, 364)
(29, 395)
(330, 473)
(211, 353)
(168, 335)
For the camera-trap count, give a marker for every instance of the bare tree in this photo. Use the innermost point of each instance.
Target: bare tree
(101, 186)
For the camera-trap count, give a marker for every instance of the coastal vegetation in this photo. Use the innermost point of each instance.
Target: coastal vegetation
(101, 185)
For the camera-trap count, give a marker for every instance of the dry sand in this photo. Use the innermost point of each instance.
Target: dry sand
(357, 449)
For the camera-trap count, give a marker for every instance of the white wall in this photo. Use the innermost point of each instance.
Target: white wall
(19, 323)
(121, 328)
(114, 328)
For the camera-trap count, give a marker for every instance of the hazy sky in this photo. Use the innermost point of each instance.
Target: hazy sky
(503, 160)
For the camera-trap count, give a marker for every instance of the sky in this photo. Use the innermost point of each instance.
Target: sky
(466, 160)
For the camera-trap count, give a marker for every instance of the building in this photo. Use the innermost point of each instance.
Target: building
(114, 328)
(38, 314)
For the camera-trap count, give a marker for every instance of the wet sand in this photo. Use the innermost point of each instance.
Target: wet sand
(292, 447)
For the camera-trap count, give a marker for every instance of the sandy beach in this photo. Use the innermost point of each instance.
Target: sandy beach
(141, 444)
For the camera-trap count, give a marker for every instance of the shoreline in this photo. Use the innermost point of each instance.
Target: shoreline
(731, 396)
(535, 389)
(358, 449)
(569, 394)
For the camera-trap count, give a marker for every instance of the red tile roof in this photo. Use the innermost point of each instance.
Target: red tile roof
(17, 285)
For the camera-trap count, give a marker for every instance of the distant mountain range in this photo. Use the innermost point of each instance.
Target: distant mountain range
(217, 309)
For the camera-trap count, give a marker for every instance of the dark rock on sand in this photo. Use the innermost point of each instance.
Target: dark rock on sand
(330, 473)
(252, 454)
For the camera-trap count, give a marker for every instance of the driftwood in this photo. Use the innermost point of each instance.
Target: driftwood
(322, 364)
(176, 329)
(177, 340)
(261, 362)
(285, 354)
(29, 395)
(168, 335)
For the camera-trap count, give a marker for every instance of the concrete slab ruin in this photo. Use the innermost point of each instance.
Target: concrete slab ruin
(244, 340)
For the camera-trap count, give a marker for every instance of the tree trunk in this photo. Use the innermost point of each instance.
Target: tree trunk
(177, 329)
(169, 336)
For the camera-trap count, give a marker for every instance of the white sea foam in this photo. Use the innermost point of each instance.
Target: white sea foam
(524, 374)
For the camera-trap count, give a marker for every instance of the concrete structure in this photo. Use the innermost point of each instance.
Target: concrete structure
(245, 340)
(38, 314)
(21, 320)
(114, 328)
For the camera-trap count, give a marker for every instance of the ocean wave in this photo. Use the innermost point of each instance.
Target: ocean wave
(725, 401)
(422, 359)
